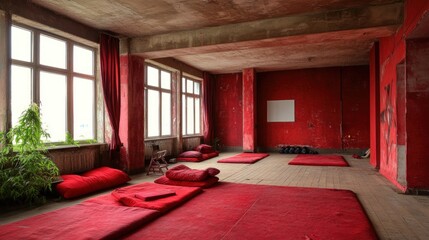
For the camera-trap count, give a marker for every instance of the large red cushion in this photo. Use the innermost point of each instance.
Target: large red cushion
(184, 173)
(191, 154)
(91, 181)
(204, 148)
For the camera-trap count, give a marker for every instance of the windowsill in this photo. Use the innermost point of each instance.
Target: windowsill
(192, 136)
(171, 137)
(58, 147)
(159, 138)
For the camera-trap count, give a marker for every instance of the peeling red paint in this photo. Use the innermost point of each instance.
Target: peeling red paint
(249, 110)
(229, 109)
(392, 53)
(131, 127)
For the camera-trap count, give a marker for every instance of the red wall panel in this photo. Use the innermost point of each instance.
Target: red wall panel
(417, 113)
(229, 109)
(317, 94)
(355, 107)
(392, 52)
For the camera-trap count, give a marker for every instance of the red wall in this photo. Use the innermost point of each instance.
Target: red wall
(392, 52)
(229, 109)
(326, 100)
(417, 116)
(355, 107)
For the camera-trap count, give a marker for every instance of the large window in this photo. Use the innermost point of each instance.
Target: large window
(59, 75)
(191, 106)
(158, 102)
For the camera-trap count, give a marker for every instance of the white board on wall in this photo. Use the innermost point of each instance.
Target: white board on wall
(281, 111)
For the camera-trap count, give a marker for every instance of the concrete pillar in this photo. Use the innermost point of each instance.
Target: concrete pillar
(374, 95)
(4, 70)
(249, 110)
(132, 113)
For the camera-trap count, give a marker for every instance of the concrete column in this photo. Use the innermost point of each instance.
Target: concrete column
(132, 113)
(249, 110)
(374, 95)
(4, 70)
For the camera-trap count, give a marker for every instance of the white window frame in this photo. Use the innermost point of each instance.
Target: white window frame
(160, 90)
(185, 95)
(68, 72)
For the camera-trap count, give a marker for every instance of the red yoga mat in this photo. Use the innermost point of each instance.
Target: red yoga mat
(319, 160)
(244, 158)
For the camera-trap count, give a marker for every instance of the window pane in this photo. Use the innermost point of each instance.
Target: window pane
(197, 88)
(153, 113)
(83, 109)
(183, 84)
(189, 86)
(166, 114)
(21, 42)
(152, 76)
(183, 114)
(52, 52)
(53, 102)
(20, 91)
(165, 80)
(83, 60)
(197, 116)
(190, 115)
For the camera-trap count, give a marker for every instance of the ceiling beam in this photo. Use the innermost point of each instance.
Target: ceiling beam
(238, 36)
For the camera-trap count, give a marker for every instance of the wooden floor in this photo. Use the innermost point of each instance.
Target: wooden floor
(394, 215)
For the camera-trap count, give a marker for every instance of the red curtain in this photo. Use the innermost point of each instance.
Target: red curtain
(110, 75)
(208, 94)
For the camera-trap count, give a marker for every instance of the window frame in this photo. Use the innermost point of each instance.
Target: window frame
(68, 72)
(184, 96)
(160, 90)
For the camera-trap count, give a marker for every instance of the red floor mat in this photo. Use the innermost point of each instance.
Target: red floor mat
(319, 160)
(244, 211)
(244, 158)
(82, 221)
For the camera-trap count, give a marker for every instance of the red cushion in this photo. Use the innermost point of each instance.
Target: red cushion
(204, 148)
(91, 181)
(184, 173)
(190, 154)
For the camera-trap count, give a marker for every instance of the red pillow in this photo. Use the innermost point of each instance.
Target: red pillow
(91, 181)
(191, 154)
(204, 148)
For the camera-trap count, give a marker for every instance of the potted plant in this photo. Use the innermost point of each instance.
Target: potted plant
(25, 170)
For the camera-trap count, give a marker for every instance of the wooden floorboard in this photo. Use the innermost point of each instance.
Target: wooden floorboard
(393, 214)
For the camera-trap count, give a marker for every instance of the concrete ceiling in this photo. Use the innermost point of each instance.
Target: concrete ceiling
(222, 36)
